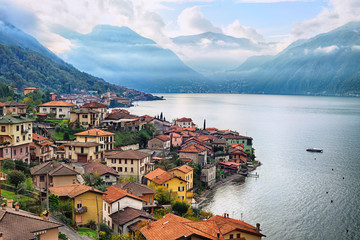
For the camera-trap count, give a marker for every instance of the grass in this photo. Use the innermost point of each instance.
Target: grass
(87, 231)
(60, 136)
(11, 195)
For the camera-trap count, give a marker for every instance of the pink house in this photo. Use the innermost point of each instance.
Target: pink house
(176, 139)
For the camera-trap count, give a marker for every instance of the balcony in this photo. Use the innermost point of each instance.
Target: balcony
(81, 210)
(24, 131)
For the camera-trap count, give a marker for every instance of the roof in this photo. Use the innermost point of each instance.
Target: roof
(129, 154)
(160, 176)
(232, 136)
(82, 144)
(30, 88)
(37, 137)
(184, 119)
(83, 110)
(57, 104)
(135, 188)
(129, 214)
(73, 190)
(116, 115)
(94, 105)
(163, 138)
(114, 194)
(2, 104)
(54, 168)
(15, 225)
(184, 168)
(194, 148)
(94, 132)
(99, 168)
(14, 119)
(14, 104)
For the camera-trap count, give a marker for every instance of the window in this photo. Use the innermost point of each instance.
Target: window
(119, 169)
(42, 178)
(44, 109)
(231, 236)
(114, 168)
(166, 185)
(125, 161)
(17, 128)
(14, 152)
(238, 235)
(78, 219)
(113, 160)
(104, 207)
(109, 209)
(23, 137)
(107, 177)
(119, 161)
(82, 149)
(181, 197)
(3, 128)
(132, 161)
(79, 204)
(181, 189)
(85, 116)
(69, 147)
(125, 169)
(20, 150)
(132, 169)
(60, 109)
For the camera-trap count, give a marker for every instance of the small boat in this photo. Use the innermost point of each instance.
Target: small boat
(314, 150)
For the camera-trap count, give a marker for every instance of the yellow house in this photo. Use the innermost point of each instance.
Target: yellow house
(86, 117)
(106, 139)
(86, 200)
(170, 181)
(184, 172)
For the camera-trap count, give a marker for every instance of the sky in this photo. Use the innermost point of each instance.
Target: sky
(276, 22)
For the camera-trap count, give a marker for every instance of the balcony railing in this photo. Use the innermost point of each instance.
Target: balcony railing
(81, 210)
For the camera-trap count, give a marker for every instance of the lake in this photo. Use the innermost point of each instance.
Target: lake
(299, 194)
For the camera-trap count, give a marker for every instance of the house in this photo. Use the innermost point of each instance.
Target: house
(230, 167)
(86, 201)
(56, 109)
(130, 163)
(219, 142)
(196, 140)
(15, 137)
(30, 90)
(184, 122)
(109, 175)
(142, 191)
(106, 139)
(246, 141)
(236, 153)
(169, 181)
(69, 99)
(119, 205)
(161, 142)
(41, 149)
(86, 117)
(53, 96)
(101, 108)
(176, 139)
(2, 109)
(184, 172)
(58, 174)
(122, 120)
(215, 228)
(196, 153)
(160, 125)
(16, 224)
(15, 108)
(208, 174)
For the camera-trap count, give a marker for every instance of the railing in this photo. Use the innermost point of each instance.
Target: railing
(81, 210)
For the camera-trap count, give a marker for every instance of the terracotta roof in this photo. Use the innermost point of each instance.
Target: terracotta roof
(129, 214)
(73, 190)
(2, 104)
(82, 144)
(30, 88)
(94, 132)
(94, 105)
(184, 168)
(117, 115)
(113, 194)
(84, 111)
(46, 143)
(184, 119)
(211, 129)
(129, 154)
(159, 176)
(14, 104)
(37, 137)
(135, 188)
(57, 104)
(163, 138)
(186, 159)
(99, 168)
(194, 148)
(54, 168)
(16, 225)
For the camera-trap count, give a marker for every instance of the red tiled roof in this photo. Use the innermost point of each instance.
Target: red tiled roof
(100, 169)
(159, 176)
(163, 138)
(128, 154)
(72, 190)
(37, 137)
(2, 104)
(94, 105)
(184, 119)
(94, 132)
(195, 148)
(186, 159)
(184, 168)
(57, 104)
(30, 88)
(113, 194)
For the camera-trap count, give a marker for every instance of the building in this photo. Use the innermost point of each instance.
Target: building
(30, 90)
(159, 177)
(53, 96)
(2, 109)
(246, 141)
(16, 224)
(86, 200)
(41, 149)
(215, 228)
(101, 108)
(184, 172)
(130, 163)
(86, 117)
(196, 153)
(184, 122)
(109, 175)
(58, 174)
(161, 142)
(56, 109)
(15, 137)
(122, 120)
(83, 151)
(208, 174)
(106, 139)
(15, 108)
(69, 99)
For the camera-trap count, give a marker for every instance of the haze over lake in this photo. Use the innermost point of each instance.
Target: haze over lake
(292, 197)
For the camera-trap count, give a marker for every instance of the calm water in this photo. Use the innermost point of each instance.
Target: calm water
(289, 198)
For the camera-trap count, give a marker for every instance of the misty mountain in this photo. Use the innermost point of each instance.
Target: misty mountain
(123, 57)
(325, 64)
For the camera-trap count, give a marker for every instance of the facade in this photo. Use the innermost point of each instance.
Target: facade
(106, 139)
(130, 163)
(196, 153)
(41, 148)
(109, 175)
(160, 126)
(86, 117)
(2, 109)
(184, 172)
(176, 139)
(101, 108)
(30, 90)
(208, 174)
(15, 108)
(15, 137)
(86, 200)
(122, 120)
(58, 174)
(161, 142)
(56, 109)
(184, 122)
(246, 141)
(83, 151)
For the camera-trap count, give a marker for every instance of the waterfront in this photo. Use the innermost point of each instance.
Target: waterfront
(292, 197)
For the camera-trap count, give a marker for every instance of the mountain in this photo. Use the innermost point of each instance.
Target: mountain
(123, 57)
(24, 62)
(327, 64)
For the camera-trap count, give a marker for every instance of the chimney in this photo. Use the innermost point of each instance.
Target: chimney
(17, 206)
(148, 224)
(258, 228)
(46, 215)
(224, 215)
(227, 215)
(217, 236)
(3, 206)
(9, 203)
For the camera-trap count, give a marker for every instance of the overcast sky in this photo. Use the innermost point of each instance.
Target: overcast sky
(259, 20)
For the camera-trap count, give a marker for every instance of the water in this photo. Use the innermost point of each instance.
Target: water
(289, 198)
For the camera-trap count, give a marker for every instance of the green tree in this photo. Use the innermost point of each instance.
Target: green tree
(29, 185)
(66, 208)
(8, 164)
(105, 228)
(66, 136)
(165, 196)
(180, 207)
(54, 202)
(16, 177)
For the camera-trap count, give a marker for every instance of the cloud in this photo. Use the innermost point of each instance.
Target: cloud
(237, 30)
(192, 21)
(271, 1)
(326, 50)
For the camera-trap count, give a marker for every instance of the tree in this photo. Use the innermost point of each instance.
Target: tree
(66, 208)
(165, 196)
(29, 185)
(54, 202)
(8, 164)
(16, 178)
(66, 136)
(180, 207)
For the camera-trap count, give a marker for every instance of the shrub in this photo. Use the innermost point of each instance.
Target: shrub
(92, 224)
(65, 220)
(54, 202)
(16, 177)
(105, 228)
(62, 236)
(180, 207)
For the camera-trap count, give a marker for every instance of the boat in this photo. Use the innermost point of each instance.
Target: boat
(314, 150)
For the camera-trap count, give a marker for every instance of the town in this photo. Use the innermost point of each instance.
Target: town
(70, 166)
